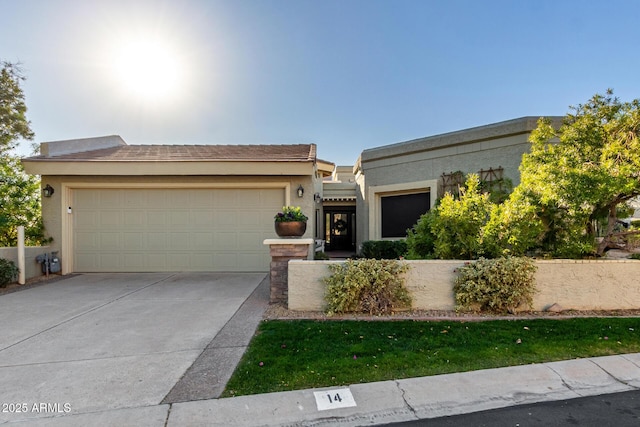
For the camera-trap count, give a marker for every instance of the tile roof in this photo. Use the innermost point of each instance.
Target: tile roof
(150, 153)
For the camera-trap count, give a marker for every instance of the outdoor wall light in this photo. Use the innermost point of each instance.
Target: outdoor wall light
(47, 191)
(300, 191)
(317, 197)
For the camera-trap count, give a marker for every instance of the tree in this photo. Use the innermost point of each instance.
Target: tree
(13, 121)
(578, 175)
(19, 192)
(19, 204)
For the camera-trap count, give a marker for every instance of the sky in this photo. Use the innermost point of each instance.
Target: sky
(346, 75)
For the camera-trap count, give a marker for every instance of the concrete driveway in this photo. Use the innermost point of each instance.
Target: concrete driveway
(95, 342)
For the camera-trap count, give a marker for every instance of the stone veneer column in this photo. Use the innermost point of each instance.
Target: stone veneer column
(282, 250)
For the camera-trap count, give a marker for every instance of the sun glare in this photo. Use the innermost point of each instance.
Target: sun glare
(148, 70)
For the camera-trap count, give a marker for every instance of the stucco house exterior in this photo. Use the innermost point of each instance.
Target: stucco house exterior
(127, 208)
(399, 181)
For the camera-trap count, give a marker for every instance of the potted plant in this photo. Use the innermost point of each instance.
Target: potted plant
(291, 222)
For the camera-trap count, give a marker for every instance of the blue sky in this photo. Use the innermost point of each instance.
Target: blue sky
(346, 75)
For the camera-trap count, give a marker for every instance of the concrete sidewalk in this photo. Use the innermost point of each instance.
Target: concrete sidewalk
(388, 401)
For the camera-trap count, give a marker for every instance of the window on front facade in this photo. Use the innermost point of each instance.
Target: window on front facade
(402, 212)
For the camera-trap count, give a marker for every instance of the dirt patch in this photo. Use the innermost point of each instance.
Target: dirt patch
(31, 283)
(279, 311)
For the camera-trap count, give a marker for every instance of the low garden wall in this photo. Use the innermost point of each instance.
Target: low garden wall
(32, 268)
(572, 284)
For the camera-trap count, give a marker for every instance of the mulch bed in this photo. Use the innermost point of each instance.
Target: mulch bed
(280, 312)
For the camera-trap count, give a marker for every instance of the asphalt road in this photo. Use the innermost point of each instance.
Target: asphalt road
(618, 409)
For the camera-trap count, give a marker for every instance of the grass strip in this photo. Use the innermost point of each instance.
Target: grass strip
(300, 354)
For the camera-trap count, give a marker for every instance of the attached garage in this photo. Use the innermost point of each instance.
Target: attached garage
(143, 208)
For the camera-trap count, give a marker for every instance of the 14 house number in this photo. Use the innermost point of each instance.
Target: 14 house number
(336, 398)
(332, 399)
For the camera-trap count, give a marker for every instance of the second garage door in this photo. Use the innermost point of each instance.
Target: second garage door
(139, 230)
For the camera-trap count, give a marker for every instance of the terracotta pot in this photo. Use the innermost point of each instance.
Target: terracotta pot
(291, 228)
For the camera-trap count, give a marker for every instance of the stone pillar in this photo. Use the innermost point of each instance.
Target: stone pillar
(282, 250)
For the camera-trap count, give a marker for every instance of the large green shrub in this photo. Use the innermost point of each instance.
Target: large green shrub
(420, 238)
(8, 272)
(367, 286)
(458, 223)
(495, 285)
(384, 249)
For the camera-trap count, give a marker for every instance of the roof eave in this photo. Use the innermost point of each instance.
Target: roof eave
(53, 167)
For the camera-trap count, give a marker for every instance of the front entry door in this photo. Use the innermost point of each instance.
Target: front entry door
(339, 230)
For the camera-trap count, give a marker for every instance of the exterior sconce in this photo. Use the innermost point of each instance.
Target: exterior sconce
(317, 198)
(47, 191)
(300, 191)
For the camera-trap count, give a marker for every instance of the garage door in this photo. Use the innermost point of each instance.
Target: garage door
(138, 230)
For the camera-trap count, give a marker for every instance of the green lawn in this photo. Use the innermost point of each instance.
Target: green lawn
(290, 355)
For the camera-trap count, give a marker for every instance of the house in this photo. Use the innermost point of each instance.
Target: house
(118, 208)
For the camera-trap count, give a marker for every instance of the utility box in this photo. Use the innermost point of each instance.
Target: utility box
(50, 262)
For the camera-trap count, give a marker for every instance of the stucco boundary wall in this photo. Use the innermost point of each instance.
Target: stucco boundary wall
(572, 284)
(31, 266)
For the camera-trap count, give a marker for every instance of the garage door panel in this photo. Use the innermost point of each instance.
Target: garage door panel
(135, 200)
(203, 241)
(157, 218)
(180, 241)
(156, 240)
(249, 219)
(202, 261)
(225, 219)
(88, 219)
(86, 241)
(156, 262)
(133, 218)
(106, 259)
(225, 197)
(179, 198)
(250, 239)
(133, 259)
(132, 240)
(110, 198)
(226, 240)
(173, 229)
(88, 260)
(179, 218)
(156, 198)
(225, 261)
(110, 241)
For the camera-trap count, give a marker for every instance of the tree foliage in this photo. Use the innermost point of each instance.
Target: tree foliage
(458, 224)
(573, 179)
(454, 229)
(580, 174)
(19, 192)
(13, 120)
(19, 204)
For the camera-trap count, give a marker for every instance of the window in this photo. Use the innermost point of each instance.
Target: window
(400, 212)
